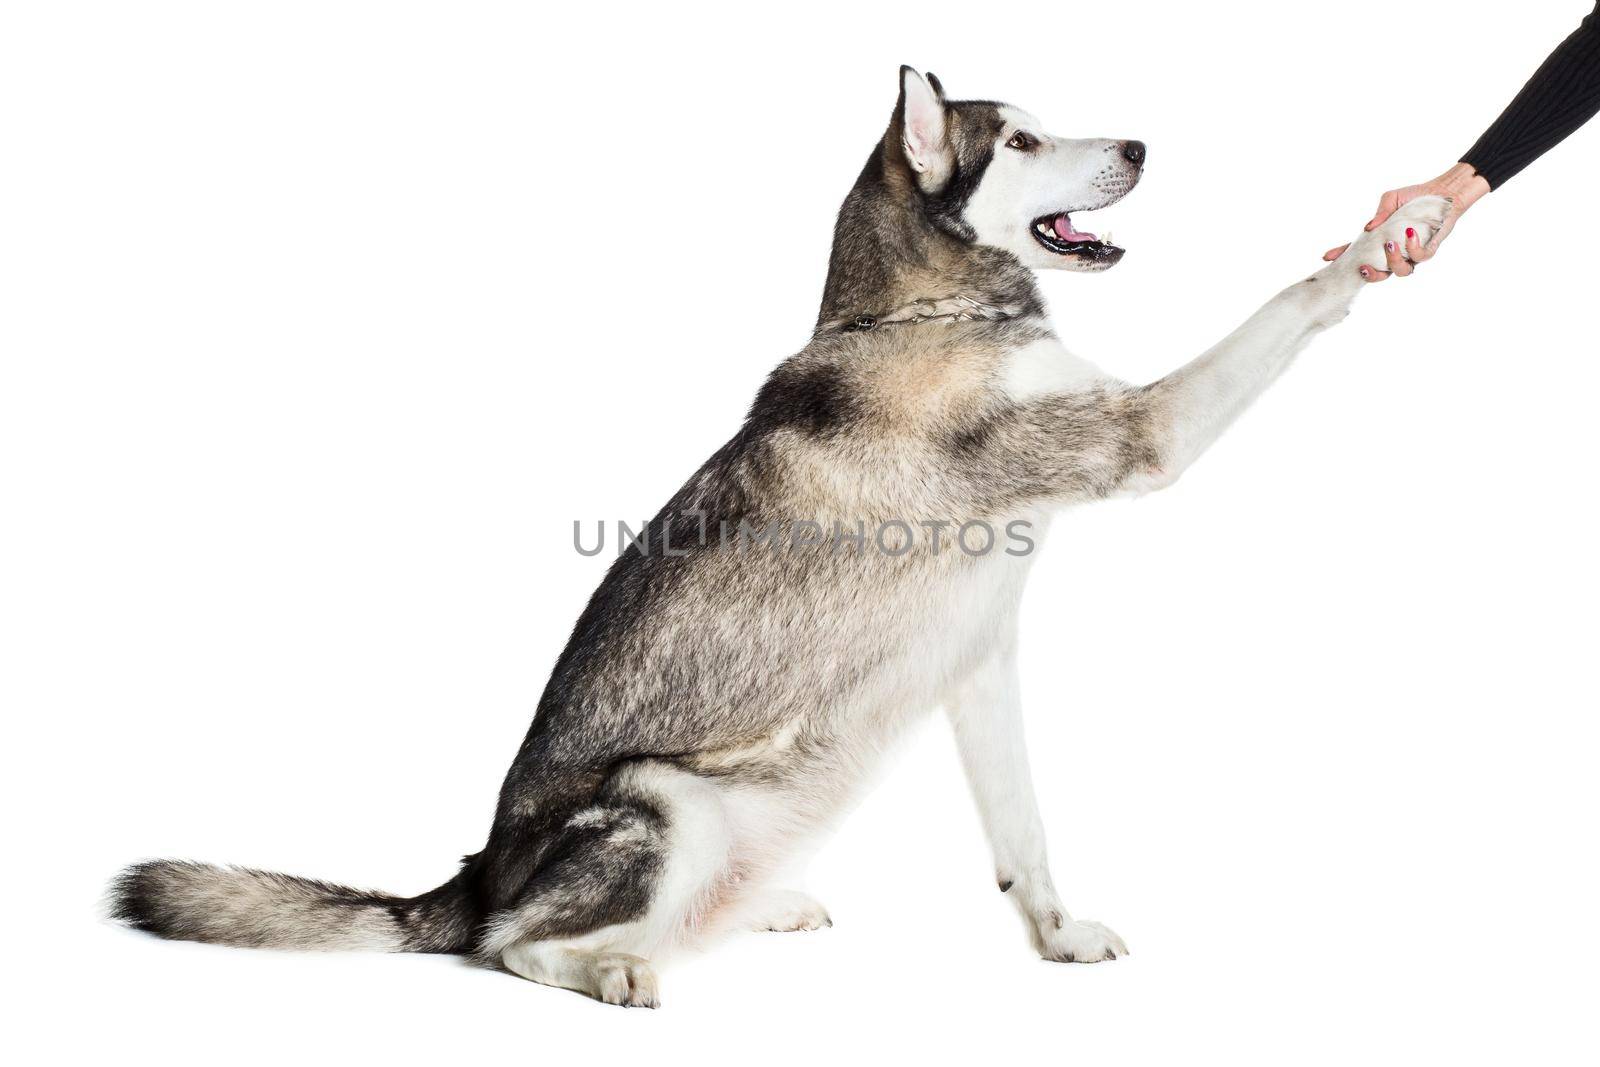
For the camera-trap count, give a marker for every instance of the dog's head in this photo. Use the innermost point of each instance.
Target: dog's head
(989, 174)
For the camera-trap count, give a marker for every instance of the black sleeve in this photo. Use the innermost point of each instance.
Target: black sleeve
(1561, 96)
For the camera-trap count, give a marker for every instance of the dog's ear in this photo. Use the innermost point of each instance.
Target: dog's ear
(923, 128)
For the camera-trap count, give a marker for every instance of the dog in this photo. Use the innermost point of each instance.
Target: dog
(723, 700)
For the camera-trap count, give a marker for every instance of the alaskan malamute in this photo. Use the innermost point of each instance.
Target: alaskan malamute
(851, 559)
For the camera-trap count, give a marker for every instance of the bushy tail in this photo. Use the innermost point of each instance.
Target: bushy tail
(259, 909)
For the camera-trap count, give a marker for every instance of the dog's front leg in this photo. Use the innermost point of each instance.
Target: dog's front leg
(1191, 407)
(986, 712)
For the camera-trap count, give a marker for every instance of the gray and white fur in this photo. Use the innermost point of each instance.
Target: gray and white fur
(717, 710)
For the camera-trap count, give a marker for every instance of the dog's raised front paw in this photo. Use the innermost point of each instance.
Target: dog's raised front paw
(1425, 215)
(1081, 941)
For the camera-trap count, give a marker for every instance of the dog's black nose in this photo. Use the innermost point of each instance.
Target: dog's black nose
(1133, 152)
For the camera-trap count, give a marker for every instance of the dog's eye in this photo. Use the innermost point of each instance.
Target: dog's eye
(1022, 141)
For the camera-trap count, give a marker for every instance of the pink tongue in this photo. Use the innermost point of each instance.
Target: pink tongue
(1064, 230)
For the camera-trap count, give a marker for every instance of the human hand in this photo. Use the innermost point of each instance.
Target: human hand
(1460, 184)
(1413, 225)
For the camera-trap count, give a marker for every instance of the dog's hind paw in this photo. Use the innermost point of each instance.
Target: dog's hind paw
(1081, 941)
(626, 980)
(614, 977)
(783, 910)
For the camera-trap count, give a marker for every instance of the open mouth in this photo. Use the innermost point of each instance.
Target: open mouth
(1057, 234)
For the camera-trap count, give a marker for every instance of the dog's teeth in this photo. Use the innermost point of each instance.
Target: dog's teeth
(1105, 238)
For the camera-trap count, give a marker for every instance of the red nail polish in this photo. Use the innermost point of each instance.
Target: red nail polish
(1411, 235)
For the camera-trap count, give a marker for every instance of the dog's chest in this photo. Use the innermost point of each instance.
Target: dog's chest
(888, 662)
(1044, 367)
(934, 634)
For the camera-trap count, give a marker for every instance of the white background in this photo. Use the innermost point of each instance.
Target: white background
(322, 322)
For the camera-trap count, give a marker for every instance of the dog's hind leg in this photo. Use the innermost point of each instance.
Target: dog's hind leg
(628, 878)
